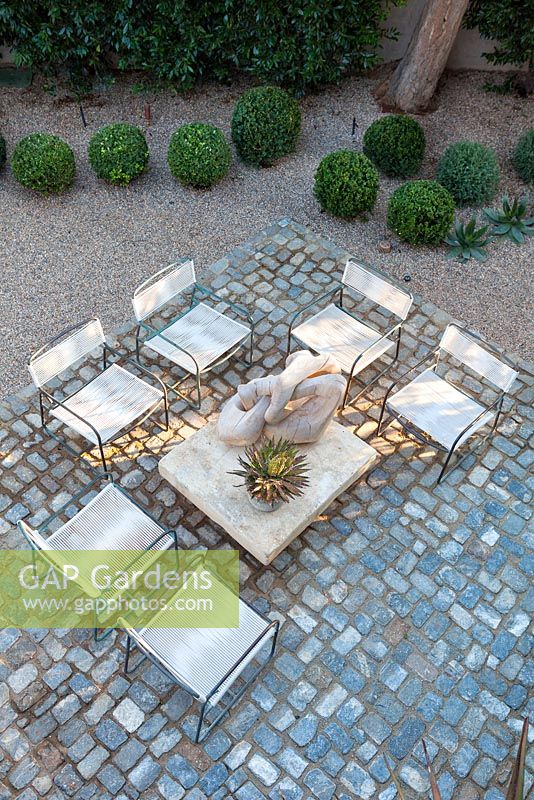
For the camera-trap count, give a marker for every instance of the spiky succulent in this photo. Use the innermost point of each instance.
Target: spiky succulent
(511, 220)
(273, 471)
(467, 241)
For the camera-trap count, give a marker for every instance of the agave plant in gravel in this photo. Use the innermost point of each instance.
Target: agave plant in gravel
(511, 220)
(274, 473)
(516, 787)
(467, 241)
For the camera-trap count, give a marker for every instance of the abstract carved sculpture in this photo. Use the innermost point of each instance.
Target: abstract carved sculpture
(297, 405)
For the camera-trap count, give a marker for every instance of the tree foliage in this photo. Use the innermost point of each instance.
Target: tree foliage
(511, 23)
(300, 43)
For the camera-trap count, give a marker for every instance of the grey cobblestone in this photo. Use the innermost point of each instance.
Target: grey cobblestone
(406, 608)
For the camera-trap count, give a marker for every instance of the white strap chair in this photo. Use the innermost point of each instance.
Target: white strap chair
(336, 331)
(207, 662)
(199, 338)
(441, 414)
(110, 521)
(112, 403)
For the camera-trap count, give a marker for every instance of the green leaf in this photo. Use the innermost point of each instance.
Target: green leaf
(517, 780)
(478, 254)
(502, 230)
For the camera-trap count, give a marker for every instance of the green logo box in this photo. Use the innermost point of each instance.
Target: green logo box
(119, 588)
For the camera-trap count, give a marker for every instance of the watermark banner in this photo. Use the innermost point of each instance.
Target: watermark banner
(119, 588)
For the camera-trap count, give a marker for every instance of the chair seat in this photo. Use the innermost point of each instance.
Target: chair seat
(437, 408)
(335, 332)
(109, 521)
(203, 332)
(110, 402)
(200, 657)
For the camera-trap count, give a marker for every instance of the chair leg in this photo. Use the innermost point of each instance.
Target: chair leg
(200, 723)
(288, 348)
(199, 399)
(381, 418)
(102, 456)
(445, 465)
(251, 349)
(127, 657)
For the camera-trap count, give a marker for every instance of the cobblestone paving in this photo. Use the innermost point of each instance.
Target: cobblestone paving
(406, 608)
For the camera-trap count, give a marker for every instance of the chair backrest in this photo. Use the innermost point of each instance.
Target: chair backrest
(32, 536)
(462, 346)
(50, 361)
(377, 289)
(162, 287)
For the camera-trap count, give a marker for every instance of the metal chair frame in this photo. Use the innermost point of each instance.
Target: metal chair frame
(45, 525)
(496, 405)
(203, 730)
(47, 400)
(152, 331)
(340, 288)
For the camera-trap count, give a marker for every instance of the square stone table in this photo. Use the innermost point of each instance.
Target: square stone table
(198, 467)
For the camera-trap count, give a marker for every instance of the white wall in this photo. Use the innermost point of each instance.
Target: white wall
(465, 54)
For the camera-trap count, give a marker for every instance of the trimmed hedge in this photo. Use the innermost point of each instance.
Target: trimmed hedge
(303, 44)
(118, 153)
(43, 162)
(2, 151)
(346, 184)
(421, 212)
(198, 154)
(265, 125)
(470, 172)
(523, 158)
(396, 144)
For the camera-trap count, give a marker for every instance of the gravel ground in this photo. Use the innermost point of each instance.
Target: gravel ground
(82, 253)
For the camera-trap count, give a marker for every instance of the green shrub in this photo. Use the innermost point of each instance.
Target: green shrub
(346, 184)
(421, 212)
(506, 24)
(523, 159)
(265, 125)
(396, 144)
(43, 162)
(2, 151)
(470, 172)
(302, 44)
(118, 153)
(198, 154)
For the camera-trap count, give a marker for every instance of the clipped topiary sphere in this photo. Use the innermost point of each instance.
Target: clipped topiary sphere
(198, 154)
(470, 172)
(396, 144)
(523, 159)
(421, 212)
(265, 125)
(346, 184)
(43, 162)
(2, 151)
(118, 153)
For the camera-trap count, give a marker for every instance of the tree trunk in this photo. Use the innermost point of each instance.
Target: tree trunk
(414, 81)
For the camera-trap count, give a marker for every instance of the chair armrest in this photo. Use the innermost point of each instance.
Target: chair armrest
(159, 332)
(270, 630)
(53, 399)
(237, 308)
(498, 401)
(124, 357)
(316, 301)
(408, 371)
(370, 347)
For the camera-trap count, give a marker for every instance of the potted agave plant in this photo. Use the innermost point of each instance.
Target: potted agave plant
(274, 472)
